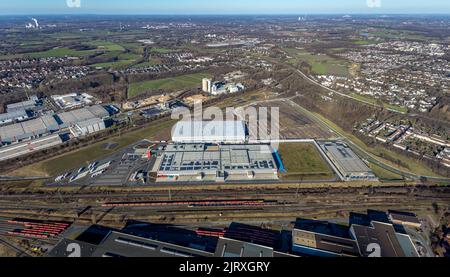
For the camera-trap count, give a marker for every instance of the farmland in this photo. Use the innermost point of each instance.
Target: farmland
(174, 83)
(321, 64)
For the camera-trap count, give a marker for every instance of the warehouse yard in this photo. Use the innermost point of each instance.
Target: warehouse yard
(294, 124)
(93, 152)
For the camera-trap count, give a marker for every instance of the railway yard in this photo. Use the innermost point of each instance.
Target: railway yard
(275, 145)
(212, 208)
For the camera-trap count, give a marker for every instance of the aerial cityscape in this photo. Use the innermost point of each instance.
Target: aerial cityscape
(225, 131)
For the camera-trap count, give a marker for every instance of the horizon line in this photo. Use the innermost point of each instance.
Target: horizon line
(227, 14)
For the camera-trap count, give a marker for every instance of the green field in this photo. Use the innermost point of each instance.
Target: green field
(174, 83)
(123, 60)
(134, 47)
(106, 45)
(152, 62)
(162, 50)
(303, 161)
(320, 64)
(62, 52)
(364, 42)
(412, 166)
(10, 57)
(114, 65)
(93, 152)
(384, 174)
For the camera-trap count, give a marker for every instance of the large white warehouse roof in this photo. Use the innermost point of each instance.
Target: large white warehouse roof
(209, 132)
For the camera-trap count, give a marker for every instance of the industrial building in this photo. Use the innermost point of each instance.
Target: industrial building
(66, 119)
(206, 85)
(222, 87)
(48, 124)
(28, 129)
(230, 248)
(24, 105)
(155, 240)
(20, 111)
(48, 131)
(405, 219)
(13, 116)
(217, 163)
(87, 127)
(349, 166)
(381, 240)
(309, 238)
(73, 100)
(28, 147)
(209, 132)
(323, 239)
(368, 235)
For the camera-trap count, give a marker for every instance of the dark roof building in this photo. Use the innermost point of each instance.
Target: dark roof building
(371, 234)
(405, 219)
(323, 239)
(231, 248)
(124, 245)
(381, 240)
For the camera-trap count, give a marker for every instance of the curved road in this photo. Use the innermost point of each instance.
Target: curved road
(363, 153)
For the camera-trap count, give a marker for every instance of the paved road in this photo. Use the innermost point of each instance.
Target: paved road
(363, 153)
(345, 95)
(10, 179)
(334, 91)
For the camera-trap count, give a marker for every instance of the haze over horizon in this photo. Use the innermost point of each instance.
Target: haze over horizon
(204, 7)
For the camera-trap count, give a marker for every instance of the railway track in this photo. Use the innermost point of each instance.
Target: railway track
(310, 203)
(210, 193)
(22, 253)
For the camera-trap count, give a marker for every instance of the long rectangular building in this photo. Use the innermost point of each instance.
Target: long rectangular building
(209, 132)
(205, 162)
(86, 127)
(323, 239)
(24, 105)
(14, 116)
(28, 129)
(48, 124)
(28, 147)
(66, 119)
(349, 165)
(366, 236)
(381, 240)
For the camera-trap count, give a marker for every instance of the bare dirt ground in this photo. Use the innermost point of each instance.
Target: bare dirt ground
(6, 251)
(294, 124)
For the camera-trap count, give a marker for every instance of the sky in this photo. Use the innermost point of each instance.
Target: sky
(191, 7)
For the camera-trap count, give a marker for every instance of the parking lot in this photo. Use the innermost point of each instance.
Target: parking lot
(127, 167)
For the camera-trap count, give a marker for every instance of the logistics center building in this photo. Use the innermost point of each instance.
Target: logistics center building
(218, 163)
(233, 132)
(349, 165)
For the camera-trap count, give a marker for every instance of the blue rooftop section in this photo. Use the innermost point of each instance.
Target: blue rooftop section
(279, 162)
